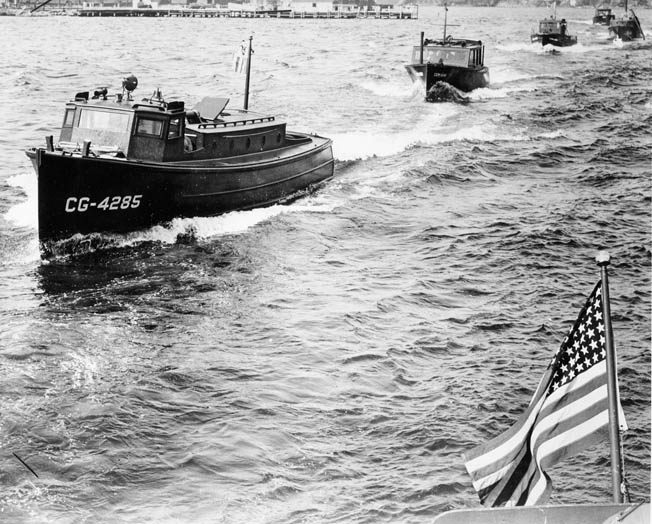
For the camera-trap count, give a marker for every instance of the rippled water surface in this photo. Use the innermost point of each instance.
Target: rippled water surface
(329, 360)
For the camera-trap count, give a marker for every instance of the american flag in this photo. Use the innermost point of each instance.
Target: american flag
(240, 57)
(568, 413)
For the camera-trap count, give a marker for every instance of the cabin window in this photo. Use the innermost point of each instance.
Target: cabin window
(263, 140)
(248, 142)
(69, 118)
(174, 128)
(104, 120)
(475, 57)
(446, 55)
(149, 126)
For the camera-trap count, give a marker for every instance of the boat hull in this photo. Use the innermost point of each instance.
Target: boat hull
(464, 79)
(603, 20)
(554, 39)
(78, 194)
(626, 29)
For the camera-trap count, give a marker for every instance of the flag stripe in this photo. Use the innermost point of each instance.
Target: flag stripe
(493, 492)
(502, 446)
(566, 444)
(564, 419)
(569, 393)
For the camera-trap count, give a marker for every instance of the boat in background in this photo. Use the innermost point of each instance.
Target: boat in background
(627, 27)
(603, 16)
(122, 165)
(553, 32)
(458, 62)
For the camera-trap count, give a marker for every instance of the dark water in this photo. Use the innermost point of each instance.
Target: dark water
(331, 360)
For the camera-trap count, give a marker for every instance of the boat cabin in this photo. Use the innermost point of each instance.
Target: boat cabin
(549, 26)
(603, 15)
(158, 131)
(459, 53)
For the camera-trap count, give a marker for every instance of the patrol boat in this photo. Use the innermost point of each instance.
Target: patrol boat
(553, 32)
(603, 15)
(627, 27)
(122, 164)
(458, 62)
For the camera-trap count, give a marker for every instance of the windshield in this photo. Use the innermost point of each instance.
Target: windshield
(104, 120)
(447, 55)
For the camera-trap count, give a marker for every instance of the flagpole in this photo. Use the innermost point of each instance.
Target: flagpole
(603, 259)
(246, 95)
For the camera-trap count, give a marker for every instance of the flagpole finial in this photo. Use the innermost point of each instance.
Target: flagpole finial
(603, 258)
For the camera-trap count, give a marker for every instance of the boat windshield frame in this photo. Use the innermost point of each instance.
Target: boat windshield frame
(549, 26)
(445, 55)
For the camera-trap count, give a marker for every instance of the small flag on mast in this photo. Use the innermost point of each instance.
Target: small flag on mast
(568, 413)
(240, 57)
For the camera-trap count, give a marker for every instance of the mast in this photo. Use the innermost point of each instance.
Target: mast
(48, 1)
(445, 19)
(246, 95)
(603, 259)
(421, 49)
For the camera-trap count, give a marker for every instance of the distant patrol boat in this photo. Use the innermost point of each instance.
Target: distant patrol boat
(627, 27)
(458, 62)
(553, 32)
(603, 16)
(123, 165)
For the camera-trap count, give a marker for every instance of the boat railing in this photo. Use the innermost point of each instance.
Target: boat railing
(214, 125)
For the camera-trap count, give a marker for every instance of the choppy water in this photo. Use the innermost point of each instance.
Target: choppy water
(327, 361)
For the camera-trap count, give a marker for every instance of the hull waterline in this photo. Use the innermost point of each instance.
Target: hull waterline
(87, 195)
(461, 78)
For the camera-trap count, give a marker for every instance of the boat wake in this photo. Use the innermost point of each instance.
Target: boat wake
(24, 214)
(536, 47)
(443, 92)
(180, 230)
(387, 89)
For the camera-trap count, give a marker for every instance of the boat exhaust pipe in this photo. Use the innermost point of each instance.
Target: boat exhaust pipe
(246, 96)
(49, 143)
(421, 50)
(86, 147)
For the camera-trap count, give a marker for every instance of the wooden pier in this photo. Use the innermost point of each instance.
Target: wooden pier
(399, 13)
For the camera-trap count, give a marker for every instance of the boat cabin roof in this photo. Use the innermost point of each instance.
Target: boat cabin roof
(152, 129)
(451, 52)
(452, 42)
(550, 25)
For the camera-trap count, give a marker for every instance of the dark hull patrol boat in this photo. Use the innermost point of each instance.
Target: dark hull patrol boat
(455, 61)
(122, 165)
(603, 16)
(553, 32)
(627, 27)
